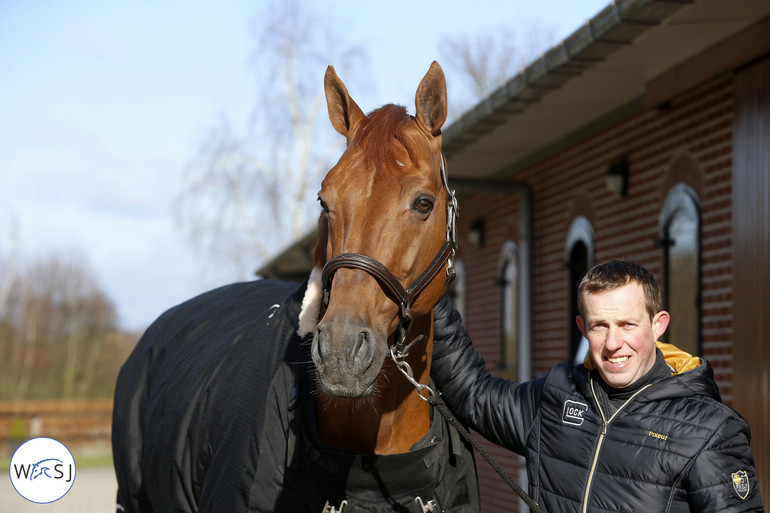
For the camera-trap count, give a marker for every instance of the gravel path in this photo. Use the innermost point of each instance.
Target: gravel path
(93, 491)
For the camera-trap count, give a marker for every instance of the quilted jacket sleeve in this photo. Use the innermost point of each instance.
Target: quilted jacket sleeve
(722, 478)
(500, 410)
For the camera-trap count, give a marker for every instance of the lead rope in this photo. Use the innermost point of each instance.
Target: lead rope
(435, 400)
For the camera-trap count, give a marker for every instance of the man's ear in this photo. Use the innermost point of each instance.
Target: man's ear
(660, 323)
(581, 325)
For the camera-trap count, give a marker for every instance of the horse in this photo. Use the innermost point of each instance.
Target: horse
(285, 397)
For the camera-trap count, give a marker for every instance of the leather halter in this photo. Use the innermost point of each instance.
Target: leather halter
(403, 297)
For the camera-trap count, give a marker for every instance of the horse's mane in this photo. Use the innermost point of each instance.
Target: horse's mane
(381, 129)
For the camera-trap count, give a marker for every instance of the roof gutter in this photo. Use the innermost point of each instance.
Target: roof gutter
(583, 49)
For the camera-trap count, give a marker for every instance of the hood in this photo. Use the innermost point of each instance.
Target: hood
(679, 361)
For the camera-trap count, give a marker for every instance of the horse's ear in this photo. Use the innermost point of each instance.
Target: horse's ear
(344, 113)
(430, 100)
(319, 252)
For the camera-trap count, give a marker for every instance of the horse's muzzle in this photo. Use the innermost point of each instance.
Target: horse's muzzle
(348, 357)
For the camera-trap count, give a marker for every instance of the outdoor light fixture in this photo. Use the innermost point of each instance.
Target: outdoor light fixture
(617, 177)
(476, 233)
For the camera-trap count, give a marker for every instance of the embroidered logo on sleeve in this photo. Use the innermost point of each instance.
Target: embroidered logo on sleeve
(573, 412)
(740, 483)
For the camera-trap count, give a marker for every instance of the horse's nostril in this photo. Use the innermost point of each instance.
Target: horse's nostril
(362, 351)
(320, 346)
(363, 337)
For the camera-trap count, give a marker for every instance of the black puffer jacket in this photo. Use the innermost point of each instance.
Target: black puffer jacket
(673, 447)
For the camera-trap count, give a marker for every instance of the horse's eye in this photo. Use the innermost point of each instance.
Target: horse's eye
(423, 205)
(324, 206)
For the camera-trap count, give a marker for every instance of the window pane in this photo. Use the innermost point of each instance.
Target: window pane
(578, 267)
(683, 278)
(510, 319)
(509, 312)
(457, 292)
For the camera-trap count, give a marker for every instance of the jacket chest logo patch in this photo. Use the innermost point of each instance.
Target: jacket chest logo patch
(740, 481)
(573, 412)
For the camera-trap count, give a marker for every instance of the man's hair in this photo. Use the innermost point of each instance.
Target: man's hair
(616, 273)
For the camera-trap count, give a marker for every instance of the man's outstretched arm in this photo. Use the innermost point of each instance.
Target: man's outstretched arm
(500, 410)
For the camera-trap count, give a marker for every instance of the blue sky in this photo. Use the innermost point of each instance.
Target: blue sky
(104, 104)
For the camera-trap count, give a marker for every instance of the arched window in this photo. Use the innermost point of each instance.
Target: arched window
(508, 273)
(579, 251)
(680, 227)
(458, 291)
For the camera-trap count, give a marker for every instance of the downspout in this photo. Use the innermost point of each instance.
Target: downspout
(524, 193)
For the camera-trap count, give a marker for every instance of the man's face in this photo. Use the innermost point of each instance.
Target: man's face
(621, 336)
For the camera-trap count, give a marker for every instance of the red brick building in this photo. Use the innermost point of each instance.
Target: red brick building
(644, 135)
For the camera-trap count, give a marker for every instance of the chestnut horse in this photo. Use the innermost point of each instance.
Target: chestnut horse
(266, 396)
(387, 199)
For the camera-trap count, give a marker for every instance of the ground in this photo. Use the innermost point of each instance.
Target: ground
(93, 491)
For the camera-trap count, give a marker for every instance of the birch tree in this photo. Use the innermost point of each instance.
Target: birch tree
(485, 62)
(251, 192)
(57, 328)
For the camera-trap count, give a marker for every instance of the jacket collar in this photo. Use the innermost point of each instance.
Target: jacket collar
(690, 375)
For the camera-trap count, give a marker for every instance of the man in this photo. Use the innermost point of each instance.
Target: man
(640, 427)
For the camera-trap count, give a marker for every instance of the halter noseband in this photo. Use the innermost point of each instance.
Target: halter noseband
(404, 298)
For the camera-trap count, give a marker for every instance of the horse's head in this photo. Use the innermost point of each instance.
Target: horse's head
(386, 233)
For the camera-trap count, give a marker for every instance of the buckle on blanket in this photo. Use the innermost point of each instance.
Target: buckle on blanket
(427, 507)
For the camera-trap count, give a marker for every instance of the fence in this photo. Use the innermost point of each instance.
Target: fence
(85, 427)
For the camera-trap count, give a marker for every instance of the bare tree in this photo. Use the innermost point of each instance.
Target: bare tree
(55, 326)
(250, 194)
(8, 259)
(485, 62)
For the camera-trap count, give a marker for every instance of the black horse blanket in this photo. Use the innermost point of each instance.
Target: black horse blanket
(213, 413)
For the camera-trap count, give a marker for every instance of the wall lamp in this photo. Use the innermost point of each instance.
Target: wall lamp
(476, 233)
(617, 177)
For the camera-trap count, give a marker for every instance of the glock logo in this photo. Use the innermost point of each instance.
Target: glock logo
(573, 412)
